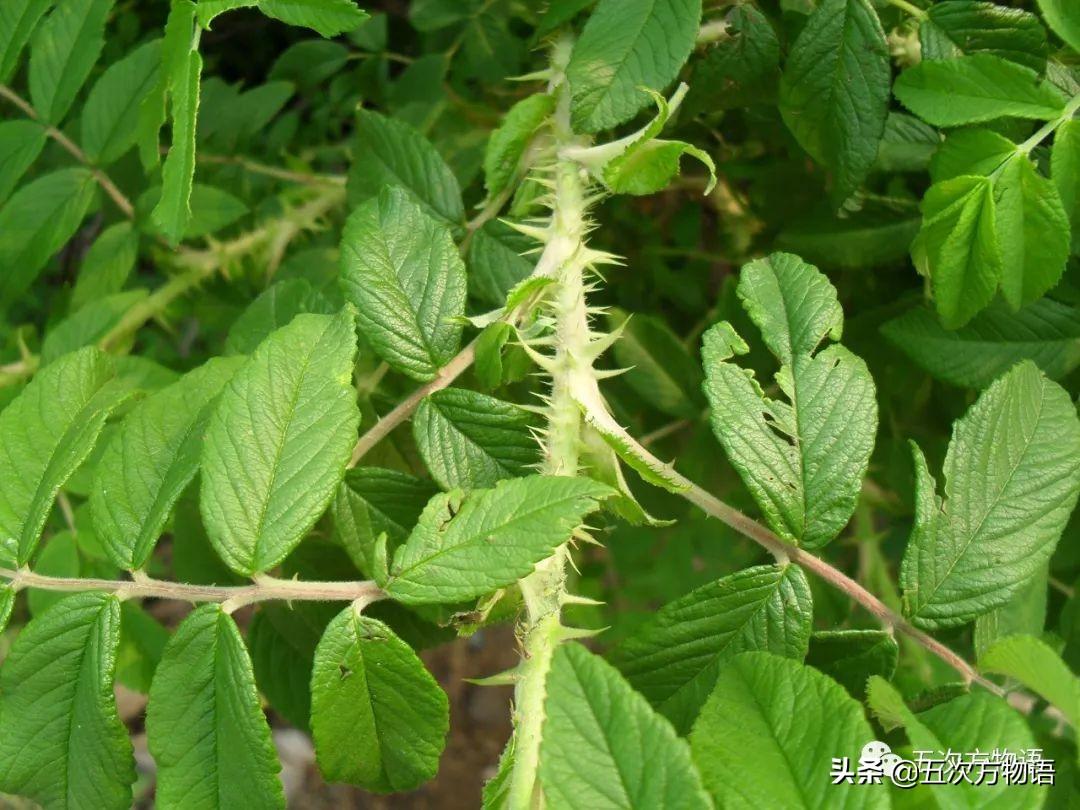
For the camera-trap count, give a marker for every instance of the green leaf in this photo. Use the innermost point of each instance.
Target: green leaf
(1046, 333)
(211, 210)
(279, 440)
(20, 144)
(89, 324)
(876, 235)
(327, 17)
(803, 460)
(627, 45)
(604, 746)
(173, 210)
(45, 434)
(507, 144)
(976, 88)
(661, 371)
(472, 441)
(18, 19)
(466, 546)
(1063, 20)
(389, 152)
(1024, 614)
(111, 114)
(906, 145)
(204, 725)
(402, 271)
(834, 93)
(768, 733)
(850, 657)
(150, 462)
(956, 27)
(971, 151)
(958, 247)
(378, 718)
(106, 265)
(62, 743)
(7, 603)
(1065, 171)
(497, 262)
(176, 48)
(1034, 664)
(275, 307)
(741, 69)
(63, 53)
(976, 721)
(36, 222)
(1012, 474)
(1033, 231)
(282, 640)
(372, 501)
(674, 659)
(142, 642)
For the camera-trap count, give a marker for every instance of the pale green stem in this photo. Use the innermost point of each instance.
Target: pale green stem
(265, 588)
(1049, 127)
(544, 590)
(909, 8)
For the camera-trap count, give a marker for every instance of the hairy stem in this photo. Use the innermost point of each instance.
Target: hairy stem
(544, 590)
(264, 589)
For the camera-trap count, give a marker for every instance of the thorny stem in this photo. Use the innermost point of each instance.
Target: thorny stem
(265, 588)
(203, 264)
(544, 590)
(107, 185)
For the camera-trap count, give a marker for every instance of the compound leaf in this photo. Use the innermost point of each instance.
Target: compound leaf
(465, 546)
(20, 143)
(976, 88)
(18, 19)
(973, 356)
(834, 92)
(111, 114)
(674, 659)
(279, 440)
(605, 747)
(955, 27)
(627, 45)
(45, 434)
(1063, 20)
(372, 501)
(1034, 664)
(379, 720)
(472, 441)
(204, 725)
(62, 743)
(972, 722)
(402, 271)
(327, 17)
(1033, 231)
(62, 54)
(391, 153)
(151, 460)
(803, 460)
(770, 727)
(36, 222)
(958, 247)
(1012, 474)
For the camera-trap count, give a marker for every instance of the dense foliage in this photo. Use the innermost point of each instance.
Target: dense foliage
(364, 331)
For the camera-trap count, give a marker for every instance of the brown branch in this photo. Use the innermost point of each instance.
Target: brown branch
(107, 185)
